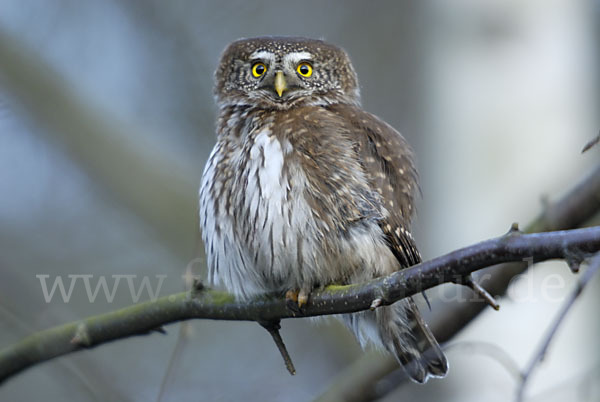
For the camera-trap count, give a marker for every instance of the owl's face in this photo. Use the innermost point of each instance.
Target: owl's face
(280, 73)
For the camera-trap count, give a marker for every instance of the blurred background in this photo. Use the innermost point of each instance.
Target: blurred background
(107, 118)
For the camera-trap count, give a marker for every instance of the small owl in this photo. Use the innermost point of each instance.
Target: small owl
(304, 189)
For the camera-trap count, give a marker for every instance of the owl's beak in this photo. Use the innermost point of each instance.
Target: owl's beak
(280, 84)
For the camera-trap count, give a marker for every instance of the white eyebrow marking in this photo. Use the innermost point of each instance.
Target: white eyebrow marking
(295, 57)
(262, 54)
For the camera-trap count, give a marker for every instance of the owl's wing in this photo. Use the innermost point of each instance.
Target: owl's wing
(388, 161)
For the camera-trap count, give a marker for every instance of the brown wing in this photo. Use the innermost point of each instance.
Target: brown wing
(388, 161)
(338, 191)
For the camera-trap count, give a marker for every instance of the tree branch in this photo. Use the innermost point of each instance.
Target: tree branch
(144, 318)
(165, 187)
(576, 208)
(594, 266)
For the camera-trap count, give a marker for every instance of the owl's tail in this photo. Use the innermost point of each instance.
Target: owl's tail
(400, 329)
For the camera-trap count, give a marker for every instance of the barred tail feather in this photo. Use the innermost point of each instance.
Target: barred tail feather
(400, 329)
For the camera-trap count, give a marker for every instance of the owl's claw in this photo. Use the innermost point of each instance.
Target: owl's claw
(303, 297)
(291, 300)
(295, 299)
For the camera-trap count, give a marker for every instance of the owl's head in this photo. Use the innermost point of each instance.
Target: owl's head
(282, 72)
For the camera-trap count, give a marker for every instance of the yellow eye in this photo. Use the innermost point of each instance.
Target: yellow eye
(259, 69)
(304, 69)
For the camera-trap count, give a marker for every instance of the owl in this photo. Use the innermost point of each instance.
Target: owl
(305, 189)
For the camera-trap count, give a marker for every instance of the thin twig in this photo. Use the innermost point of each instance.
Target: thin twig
(193, 283)
(178, 350)
(594, 265)
(469, 282)
(481, 292)
(495, 352)
(273, 327)
(594, 141)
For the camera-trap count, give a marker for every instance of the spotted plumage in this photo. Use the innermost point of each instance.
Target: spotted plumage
(305, 189)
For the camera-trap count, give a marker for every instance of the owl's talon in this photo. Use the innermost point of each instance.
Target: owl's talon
(291, 300)
(303, 297)
(296, 299)
(376, 303)
(291, 296)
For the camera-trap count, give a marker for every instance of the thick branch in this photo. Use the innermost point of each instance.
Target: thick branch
(574, 209)
(143, 318)
(154, 185)
(578, 207)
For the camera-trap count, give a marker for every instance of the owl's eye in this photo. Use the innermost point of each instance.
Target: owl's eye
(259, 69)
(304, 69)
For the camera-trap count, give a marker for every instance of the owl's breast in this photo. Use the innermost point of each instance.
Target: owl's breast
(280, 211)
(255, 221)
(277, 227)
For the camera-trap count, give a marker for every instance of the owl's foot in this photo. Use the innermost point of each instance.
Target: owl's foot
(295, 299)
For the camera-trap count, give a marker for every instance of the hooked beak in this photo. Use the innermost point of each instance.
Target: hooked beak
(280, 84)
